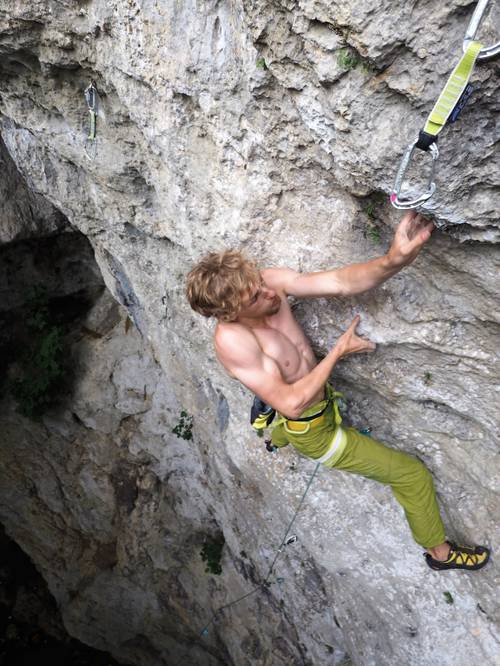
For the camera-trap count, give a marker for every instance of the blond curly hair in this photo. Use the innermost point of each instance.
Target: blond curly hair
(220, 281)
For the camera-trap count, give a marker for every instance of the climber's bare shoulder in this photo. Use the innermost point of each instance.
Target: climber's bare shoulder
(239, 351)
(235, 345)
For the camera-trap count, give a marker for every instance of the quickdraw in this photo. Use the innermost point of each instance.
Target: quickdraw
(91, 97)
(446, 110)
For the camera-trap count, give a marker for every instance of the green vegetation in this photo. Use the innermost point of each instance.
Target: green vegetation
(373, 203)
(184, 429)
(39, 367)
(427, 378)
(371, 209)
(261, 63)
(211, 554)
(347, 59)
(373, 233)
(448, 597)
(350, 59)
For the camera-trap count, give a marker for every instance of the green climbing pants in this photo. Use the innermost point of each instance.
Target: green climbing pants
(344, 448)
(410, 481)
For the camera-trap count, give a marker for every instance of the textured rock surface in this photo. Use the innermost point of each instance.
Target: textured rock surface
(24, 214)
(240, 124)
(31, 630)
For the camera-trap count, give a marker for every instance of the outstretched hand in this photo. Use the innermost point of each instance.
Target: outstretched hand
(350, 343)
(411, 235)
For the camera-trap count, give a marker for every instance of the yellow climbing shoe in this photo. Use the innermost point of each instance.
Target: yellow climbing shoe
(469, 558)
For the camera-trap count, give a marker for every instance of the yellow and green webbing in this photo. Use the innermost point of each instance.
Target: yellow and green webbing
(446, 110)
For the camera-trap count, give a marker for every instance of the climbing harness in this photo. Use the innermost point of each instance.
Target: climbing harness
(262, 416)
(91, 96)
(446, 110)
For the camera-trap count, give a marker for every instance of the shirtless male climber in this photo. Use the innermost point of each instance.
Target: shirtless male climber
(259, 342)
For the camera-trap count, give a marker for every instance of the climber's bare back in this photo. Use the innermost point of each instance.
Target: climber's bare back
(266, 340)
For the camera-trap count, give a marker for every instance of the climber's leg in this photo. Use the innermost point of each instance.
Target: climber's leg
(412, 486)
(409, 479)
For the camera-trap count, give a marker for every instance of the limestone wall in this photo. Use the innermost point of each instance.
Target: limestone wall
(276, 127)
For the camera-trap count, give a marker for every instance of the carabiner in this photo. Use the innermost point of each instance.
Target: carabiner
(91, 96)
(91, 99)
(487, 51)
(404, 203)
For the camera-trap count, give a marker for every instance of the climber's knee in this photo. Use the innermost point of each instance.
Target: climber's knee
(409, 470)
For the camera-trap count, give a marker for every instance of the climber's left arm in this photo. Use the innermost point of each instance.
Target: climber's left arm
(412, 233)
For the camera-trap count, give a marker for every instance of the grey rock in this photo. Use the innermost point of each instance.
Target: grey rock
(273, 127)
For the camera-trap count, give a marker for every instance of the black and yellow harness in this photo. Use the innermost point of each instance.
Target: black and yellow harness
(262, 415)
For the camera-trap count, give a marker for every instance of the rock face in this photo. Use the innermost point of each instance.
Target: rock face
(275, 127)
(30, 622)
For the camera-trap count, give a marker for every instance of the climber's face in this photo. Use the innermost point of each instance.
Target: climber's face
(261, 301)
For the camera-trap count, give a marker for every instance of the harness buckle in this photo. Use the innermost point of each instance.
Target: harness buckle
(487, 51)
(405, 202)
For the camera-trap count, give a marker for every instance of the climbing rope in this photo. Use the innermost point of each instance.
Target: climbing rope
(285, 541)
(446, 110)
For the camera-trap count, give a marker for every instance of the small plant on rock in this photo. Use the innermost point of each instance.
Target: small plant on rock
(373, 233)
(184, 429)
(211, 554)
(371, 209)
(373, 203)
(347, 59)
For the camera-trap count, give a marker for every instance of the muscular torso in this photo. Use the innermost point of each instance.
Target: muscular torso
(282, 340)
(285, 342)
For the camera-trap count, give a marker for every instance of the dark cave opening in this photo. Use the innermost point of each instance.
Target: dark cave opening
(31, 629)
(47, 286)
